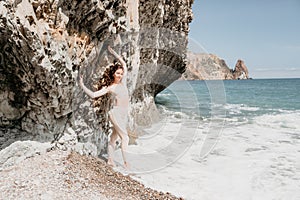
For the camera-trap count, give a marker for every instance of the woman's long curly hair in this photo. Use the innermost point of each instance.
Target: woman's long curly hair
(106, 80)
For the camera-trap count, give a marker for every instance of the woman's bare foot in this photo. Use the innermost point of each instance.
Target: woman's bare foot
(111, 163)
(126, 165)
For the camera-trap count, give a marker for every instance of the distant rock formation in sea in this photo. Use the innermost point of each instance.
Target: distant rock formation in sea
(240, 71)
(203, 66)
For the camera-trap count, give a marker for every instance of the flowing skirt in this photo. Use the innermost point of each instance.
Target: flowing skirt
(119, 117)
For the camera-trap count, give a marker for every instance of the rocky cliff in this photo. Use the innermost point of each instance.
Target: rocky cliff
(203, 66)
(240, 71)
(44, 44)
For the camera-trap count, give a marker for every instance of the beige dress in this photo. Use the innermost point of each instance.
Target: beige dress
(119, 113)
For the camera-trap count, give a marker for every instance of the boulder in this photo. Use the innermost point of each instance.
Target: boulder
(19, 151)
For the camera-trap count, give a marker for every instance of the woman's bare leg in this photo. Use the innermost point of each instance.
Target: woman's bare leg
(124, 144)
(122, 133)
(111, 148)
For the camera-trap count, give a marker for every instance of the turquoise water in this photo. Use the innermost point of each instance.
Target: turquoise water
(249, 131)
(237, 97)
(266, 94)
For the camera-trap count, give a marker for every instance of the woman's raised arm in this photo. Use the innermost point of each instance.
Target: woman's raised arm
(92, 94)
(122, 63)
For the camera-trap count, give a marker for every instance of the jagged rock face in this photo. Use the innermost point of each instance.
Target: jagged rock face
(166, 22)
(240, 71)
(36, 71)
(43, 44)
(95, 19)
(205, 66)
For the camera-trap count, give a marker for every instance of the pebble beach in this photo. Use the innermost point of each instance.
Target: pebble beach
(69, 175)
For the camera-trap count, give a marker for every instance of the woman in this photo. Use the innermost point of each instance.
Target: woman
(118, 114)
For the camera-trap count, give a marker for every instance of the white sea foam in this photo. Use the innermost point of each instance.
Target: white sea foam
(240, 107)
(165, 95)
(287, 119)
(254, 160)
(171, 115)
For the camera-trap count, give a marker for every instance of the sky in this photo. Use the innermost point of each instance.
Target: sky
(263, 33)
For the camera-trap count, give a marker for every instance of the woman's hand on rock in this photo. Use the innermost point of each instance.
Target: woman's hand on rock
(81, 79)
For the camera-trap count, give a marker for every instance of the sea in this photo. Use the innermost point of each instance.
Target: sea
(231, 139)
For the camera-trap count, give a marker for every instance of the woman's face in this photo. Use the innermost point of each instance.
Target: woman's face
(118, 75)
